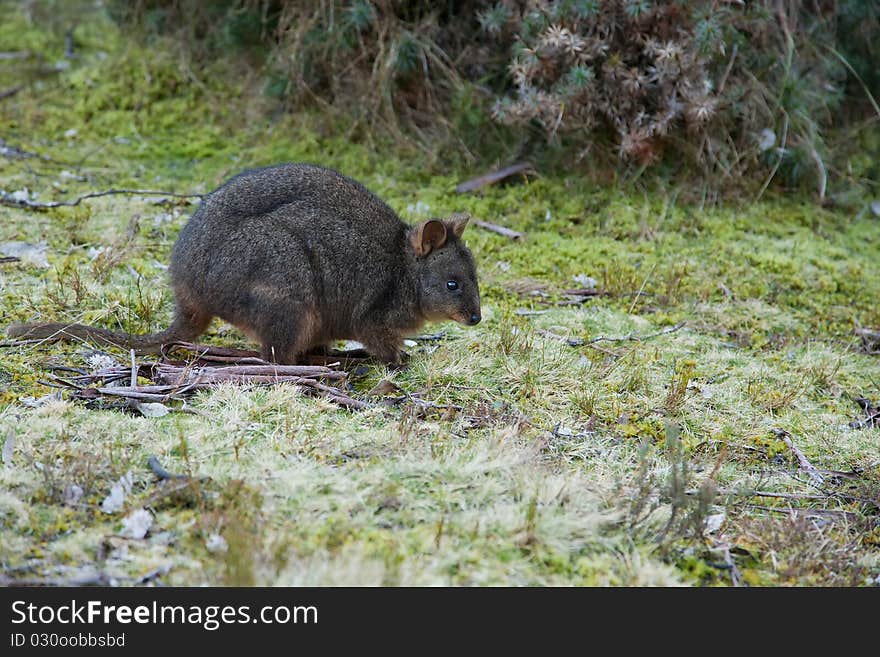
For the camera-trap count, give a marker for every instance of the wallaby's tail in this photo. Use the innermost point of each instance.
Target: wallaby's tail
(142, 344)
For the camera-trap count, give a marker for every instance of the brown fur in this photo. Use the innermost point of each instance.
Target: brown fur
(296, 256)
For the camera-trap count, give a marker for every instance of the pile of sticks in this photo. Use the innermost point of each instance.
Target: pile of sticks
(175, 380)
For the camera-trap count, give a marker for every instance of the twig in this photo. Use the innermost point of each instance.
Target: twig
(585, 292)
(636, 338)
(764, 493)
(729, 563)
(571, 342)
(815, 513)
(7, 93)
(823, 174)
(804, 463)
(641, 289)
(161, 472)
(6, 199)
(500, 230)
(493, 177)
(134, 371)
(727, 70)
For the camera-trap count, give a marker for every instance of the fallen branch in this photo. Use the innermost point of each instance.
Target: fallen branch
(177, 375)
(803, 462)
(500, 230)
(6, 199)
(493, 177)
(175, 382)
(204, 353)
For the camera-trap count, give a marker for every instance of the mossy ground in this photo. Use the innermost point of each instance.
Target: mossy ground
(616, 462)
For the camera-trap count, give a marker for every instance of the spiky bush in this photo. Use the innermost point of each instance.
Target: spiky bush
(732, 90)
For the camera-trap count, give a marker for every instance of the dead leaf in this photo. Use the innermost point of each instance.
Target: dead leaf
(385, 388)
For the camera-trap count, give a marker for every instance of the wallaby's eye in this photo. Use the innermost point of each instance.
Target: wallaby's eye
(452, 286)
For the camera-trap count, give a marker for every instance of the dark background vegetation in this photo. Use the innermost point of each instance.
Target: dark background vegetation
(740, 93)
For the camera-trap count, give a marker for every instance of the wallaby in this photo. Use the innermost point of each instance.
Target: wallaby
(298, 255)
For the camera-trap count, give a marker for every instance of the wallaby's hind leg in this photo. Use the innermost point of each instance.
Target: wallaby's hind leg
(285, 334)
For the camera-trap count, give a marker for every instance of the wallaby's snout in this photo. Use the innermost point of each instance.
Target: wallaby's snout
(474, 319)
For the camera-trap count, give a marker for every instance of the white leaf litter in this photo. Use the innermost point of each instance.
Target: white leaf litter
(586, 281)
(8, 449)
(98, 361)
(72, 495)
(216, 543)
(34, 402)
(137, 524)
(714, 521)
(34, 254)
(118, 492)
(153, 409)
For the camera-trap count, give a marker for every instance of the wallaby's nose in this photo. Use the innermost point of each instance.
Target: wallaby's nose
(475, 318)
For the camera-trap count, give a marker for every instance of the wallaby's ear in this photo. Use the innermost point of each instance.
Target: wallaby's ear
(457, 222)
(427, 236)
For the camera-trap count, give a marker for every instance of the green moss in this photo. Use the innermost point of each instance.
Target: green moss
(534, 480)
